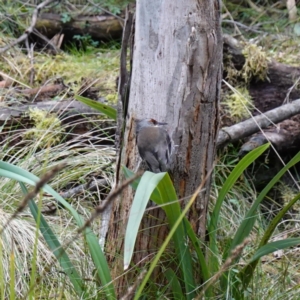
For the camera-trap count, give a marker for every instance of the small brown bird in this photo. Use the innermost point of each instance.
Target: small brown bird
(154, 144)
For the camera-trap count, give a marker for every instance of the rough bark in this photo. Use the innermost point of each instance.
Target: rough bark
(123, 98)
(175, 78)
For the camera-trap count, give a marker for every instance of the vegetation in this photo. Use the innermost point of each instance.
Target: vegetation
(237, 262)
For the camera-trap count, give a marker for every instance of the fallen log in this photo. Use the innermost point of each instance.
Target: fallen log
(82, 122)
(68, 107)
(98, 27)
(269, 97)
(277, 89)
(255, 124)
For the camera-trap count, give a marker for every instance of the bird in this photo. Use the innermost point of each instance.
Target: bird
(154, 144)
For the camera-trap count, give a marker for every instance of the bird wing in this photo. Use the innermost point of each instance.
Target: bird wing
(163, 154)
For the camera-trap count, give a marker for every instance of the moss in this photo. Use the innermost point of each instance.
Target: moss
(102, 68)
(287, 194)
(256, 64)
(232, 73)
(47, 128)
(238, 104)
(112, 98)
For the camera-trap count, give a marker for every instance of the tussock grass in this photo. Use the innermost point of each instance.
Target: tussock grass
(274, 278)
(79, 69)
(19, 239)
(85, 162)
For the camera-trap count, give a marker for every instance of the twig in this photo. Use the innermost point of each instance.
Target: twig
(105, 10)
(236, 252)
(112, 195)
(247, 28)
(83, 187)
(30, 54)
(56, 88)
(287, 97)
(253, 125)
(46, 40)
(100, 208)
(131, 289)
(30, 29)
(39, 185)
(254, 6)
(231, 18)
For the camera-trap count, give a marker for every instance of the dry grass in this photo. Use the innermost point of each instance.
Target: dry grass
(277, 275)
(85, 162)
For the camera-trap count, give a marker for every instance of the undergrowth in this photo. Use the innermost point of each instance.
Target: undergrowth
(277, 273)
(85, 162)
(275, 277)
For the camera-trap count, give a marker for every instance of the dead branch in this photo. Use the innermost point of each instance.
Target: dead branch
(51, 88)
(7, 113)
(111, 197)
(267, 94)
(30, 29)
(103, 206)
(84, 187)
(97, 26)
(253, 125)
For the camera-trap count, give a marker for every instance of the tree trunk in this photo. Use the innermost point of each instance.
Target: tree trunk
(176, 78)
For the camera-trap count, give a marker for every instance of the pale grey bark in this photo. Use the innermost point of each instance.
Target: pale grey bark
(253, 125)
(176, 79)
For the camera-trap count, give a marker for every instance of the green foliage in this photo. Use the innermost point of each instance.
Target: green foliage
(105, 109)
(84, 161)
(198, 262)
(212, 226)
(175, 284)
(214, 273)
(114, 6)
(168, 199)
(65, 17)
(10, 23)
(13, 172)
(55, 245)
(85, 41)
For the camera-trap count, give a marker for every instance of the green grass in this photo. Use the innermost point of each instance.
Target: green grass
(84, 162)
(80, 158)
(228, 267)
(98, 67)
(268, 281)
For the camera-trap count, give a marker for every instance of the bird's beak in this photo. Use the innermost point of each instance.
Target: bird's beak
(161, 123)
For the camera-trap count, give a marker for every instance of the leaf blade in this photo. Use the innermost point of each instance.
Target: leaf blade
(103, 108)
